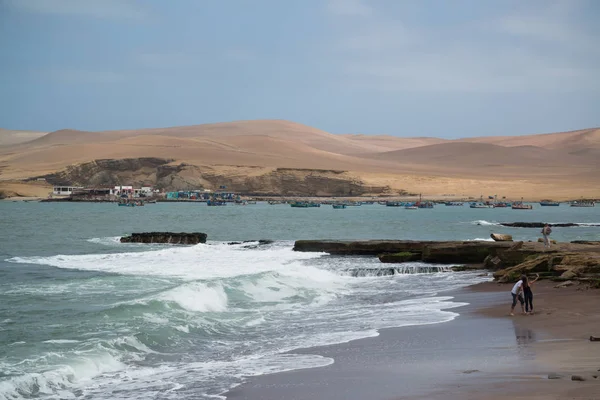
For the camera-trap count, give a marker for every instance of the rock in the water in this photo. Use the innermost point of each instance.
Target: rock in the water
(554, 375)
(399, 257)
(536, 224)
(577, 378)
(166, 237)
(500, 237)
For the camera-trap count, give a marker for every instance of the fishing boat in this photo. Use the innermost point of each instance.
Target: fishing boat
(411, 207)
(126, 204)
(454, 203)
(549, 203)
(480, 205)
(214, 202)
(501, 205)
(338, 206)
(583, 204)
(299, 204)
(424, 204)
(519, 205)
(393, 204)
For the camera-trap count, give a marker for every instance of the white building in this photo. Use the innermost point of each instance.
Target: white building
(119, 190)
(65, 190)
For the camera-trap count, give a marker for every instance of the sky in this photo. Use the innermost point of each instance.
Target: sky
(400, 67)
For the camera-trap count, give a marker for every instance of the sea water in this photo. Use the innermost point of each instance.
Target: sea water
(85, 316)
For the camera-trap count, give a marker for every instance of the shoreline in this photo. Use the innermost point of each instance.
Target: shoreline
(481, 354)
(391, 198)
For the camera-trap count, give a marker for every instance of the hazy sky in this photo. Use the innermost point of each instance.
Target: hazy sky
(408, 68)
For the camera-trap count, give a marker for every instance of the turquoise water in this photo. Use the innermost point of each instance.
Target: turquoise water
(84, 316)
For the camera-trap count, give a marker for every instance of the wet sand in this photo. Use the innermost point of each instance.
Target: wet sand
(482, 354)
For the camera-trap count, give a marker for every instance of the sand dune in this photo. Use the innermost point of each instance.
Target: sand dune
(571, 141)
(11, 137)
(568, 158)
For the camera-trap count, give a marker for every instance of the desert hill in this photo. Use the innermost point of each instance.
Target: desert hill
(283, 157)
(10, 137)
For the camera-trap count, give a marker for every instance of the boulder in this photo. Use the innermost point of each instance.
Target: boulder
(500, 237)
(534, 265)
(166, 237)
(567, 275)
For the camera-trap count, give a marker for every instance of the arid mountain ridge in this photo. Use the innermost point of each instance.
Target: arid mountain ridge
(287, 158)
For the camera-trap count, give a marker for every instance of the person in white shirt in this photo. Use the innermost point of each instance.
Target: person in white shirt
(517, 295)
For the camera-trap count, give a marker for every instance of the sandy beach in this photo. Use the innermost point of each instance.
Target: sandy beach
(482, 354)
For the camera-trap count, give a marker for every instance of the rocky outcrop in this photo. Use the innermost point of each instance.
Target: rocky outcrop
(537, 224)
(583, 265)
(399, 257)
(249, 180)
(109, 172)
(165, 237)
(399, 250)
(500, 237)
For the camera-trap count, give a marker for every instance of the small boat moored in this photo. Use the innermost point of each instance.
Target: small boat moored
(338, 206)
(519, 205)
(480, 205)
(583, 203)
(549, 203)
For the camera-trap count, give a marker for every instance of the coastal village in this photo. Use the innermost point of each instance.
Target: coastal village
(137, 196)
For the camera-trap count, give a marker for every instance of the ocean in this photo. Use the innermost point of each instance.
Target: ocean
(84, 316)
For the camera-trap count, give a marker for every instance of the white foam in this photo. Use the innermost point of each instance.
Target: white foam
(192, 263)
(480, 240)
(484, 222)
(61, 341)
(59, 381)
(181, 328)
(198, 297)
(107, 241)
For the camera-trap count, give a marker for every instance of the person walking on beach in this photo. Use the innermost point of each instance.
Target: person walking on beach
(546, 231)
(529, 294)
(516, 295)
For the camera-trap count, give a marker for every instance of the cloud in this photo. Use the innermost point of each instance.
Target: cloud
(107, 9)
(540, 50)
(348, 8)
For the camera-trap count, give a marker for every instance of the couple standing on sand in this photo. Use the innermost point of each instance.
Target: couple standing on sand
(523, 285)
